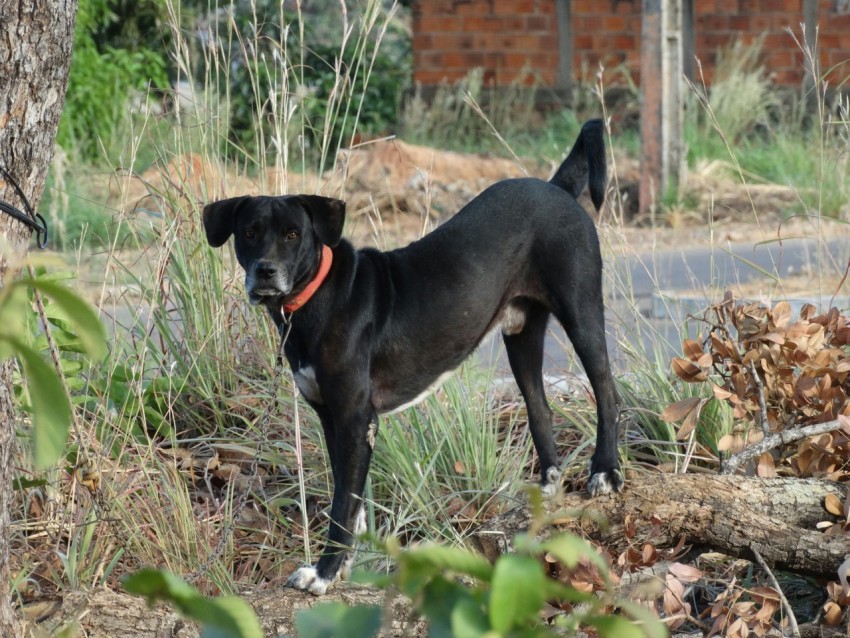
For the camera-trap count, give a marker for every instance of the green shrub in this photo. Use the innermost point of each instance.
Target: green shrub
(103, 80)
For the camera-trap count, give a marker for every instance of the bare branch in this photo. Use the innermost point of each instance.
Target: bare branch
(731, 465)
(792, 619)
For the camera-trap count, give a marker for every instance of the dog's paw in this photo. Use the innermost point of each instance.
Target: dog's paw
(606, 482)
(308, 579)
(551, 482)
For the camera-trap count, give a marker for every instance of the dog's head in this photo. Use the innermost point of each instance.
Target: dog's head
(278, 240)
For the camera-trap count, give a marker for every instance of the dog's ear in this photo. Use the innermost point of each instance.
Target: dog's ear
(328, 217)
(219, 218)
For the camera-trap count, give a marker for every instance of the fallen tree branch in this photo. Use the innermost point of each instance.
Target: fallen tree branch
(730, 514)
(731, 465)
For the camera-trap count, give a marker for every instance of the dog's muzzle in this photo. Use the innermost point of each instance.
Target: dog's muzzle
(265, 281)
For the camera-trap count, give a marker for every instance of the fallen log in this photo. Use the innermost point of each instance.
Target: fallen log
(733, 515)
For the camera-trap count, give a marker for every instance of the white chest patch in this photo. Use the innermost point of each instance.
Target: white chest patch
(305, 379)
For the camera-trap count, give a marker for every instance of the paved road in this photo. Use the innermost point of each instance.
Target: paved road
(653, 316)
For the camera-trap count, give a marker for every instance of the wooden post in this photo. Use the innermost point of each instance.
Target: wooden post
(564, 78)
(662, 106)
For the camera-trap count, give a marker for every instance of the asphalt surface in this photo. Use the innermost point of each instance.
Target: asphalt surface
(668, 286)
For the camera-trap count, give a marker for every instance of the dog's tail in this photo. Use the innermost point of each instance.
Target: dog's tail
(585, 163)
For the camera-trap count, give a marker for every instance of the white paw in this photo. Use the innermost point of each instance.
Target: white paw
(605, 483)
(307, 579)
(551, 482)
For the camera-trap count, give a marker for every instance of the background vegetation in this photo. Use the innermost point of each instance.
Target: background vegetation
(176, 461)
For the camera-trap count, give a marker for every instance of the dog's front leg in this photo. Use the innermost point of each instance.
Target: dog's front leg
(353, 439)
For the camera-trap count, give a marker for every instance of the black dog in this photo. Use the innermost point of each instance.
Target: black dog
(374, 332)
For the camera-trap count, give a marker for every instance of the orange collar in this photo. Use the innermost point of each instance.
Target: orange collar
(304, 296)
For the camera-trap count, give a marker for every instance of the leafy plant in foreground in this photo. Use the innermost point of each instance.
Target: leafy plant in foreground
(223, 617)
(76, 329)
(461, 594)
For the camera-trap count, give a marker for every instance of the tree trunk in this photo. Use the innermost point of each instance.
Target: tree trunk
(35, 55)
(729, 514)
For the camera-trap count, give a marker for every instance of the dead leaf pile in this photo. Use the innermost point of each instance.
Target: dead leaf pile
(776, 373)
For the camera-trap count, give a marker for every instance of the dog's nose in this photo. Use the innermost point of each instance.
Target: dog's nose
(265, 269)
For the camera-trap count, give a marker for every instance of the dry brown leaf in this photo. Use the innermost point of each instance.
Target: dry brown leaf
(692, 349)
(688, 370)
(685, 573)
(832, 504)
(690, 423)
(679, 410)
(781, 313)
(832, 614)
(765, 467)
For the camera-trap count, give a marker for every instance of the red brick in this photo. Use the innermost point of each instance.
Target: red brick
(739, 23)
(514, 23)
(713, 23)
(482, 23)
(584, 6)
(759, 23)
(538, 23)
(628, 8)
(591, 23)
(581, 42)
(625, 43)
(788, 77)
(454, 59)
(431, 23)
(782, 21)
(614, 23)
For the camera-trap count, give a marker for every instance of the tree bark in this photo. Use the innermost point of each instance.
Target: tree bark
(729, 514)
(35, 54)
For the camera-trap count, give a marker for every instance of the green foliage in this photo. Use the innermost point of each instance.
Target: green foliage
(76, 329)
(223, 617)
(325, 620)
(462, 595)
(103, 79)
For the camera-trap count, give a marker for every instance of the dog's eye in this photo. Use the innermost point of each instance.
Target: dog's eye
(249, 234)
(292, 234)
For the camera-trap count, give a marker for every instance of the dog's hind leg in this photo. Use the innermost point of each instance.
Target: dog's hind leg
(525, 354)
(581, 313)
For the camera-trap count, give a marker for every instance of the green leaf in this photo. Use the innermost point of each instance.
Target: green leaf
(571, 549)
(517, 592)
(14, 307)
(156, 584)
(615, 627)
(85, 321)
(330, 620)
(455, 559)
(228, 617)
(439, 599)
(651, 625)
(469, 620)
(225, 617)
(50, 408)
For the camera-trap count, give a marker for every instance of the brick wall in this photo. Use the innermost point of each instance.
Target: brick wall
(450, 37)
(504, 36)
